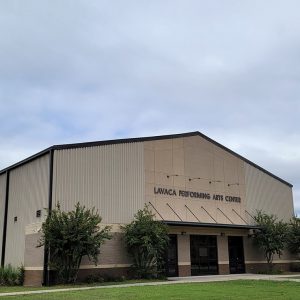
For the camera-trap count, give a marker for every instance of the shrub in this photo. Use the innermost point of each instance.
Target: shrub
(293, 241)
(11, 276)
(70, 236)
(146, 241)
(271, 237)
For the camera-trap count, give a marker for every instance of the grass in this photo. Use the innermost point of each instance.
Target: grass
(237, 290)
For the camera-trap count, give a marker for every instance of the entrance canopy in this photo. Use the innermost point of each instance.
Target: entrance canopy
(212, 225)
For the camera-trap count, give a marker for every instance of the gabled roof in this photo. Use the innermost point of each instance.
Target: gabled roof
(140, 139)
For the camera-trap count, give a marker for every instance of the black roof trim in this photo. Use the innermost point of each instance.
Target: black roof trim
(142, 139)
(26, 160)
(212, 225)
(244, 159)
(123, 141)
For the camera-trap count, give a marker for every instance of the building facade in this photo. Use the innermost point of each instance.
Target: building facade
(205, 193)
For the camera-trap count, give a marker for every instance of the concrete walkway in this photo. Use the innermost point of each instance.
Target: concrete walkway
(213, 278)
(172, 280)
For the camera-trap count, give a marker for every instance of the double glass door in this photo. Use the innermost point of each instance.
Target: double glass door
(204, 255)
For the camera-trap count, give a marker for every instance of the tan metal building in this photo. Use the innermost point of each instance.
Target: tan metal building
(206, 193)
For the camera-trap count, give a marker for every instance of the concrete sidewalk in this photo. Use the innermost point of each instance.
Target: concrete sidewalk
(172, 280)
(212, 278)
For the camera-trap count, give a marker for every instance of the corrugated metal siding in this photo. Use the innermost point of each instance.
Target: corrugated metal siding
(109, 178)
(2, 207)
(28, 192)
(265, 193)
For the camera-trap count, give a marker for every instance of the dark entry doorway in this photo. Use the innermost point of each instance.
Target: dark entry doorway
(172, 257)
(204, 255)
(236, 255)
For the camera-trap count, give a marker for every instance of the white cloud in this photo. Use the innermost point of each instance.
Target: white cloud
(78, 71)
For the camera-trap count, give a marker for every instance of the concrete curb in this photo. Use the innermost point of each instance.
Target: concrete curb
(175, 280)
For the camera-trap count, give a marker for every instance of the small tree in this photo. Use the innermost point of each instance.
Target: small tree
(146, 240)
(271, 237)
(293, 240)
(70, 236)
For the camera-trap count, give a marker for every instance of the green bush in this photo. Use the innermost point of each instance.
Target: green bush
(11, 276)
(146, 241)
(293, 240)
(271, 237)
(70, 236)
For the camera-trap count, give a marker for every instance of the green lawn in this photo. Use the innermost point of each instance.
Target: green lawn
(237, 290)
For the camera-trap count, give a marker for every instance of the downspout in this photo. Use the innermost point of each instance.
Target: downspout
(46, 274)
(5, 220)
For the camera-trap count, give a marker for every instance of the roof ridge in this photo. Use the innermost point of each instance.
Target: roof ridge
(141, 139)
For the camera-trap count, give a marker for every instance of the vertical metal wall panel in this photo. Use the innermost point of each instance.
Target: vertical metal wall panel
(28, 192)
(266, 193)
(2, 208)
(109, 178)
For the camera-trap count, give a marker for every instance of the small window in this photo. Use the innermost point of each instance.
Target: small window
(38, 213)
(15, 219)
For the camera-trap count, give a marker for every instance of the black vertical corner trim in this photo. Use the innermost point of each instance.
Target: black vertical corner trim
(46, 277)
(5, 220)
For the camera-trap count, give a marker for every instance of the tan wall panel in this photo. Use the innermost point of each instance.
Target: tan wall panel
(178, 163)
(265, 193)
(184, 253)
(113, 252)
(163, 144)
(251, 251)
(149, 159)
(254, 254)
(178, 160)
(2, 208)
(28, 192)
(218, 170)
(109, 178)
(223, 255)
(198, 162)
(163, 161)
(199, 212)
(34, 257)
(167, 213)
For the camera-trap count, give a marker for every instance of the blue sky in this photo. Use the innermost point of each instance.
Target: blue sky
(73, 71)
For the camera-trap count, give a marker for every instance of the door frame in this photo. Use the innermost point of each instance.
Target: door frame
(167, 258)
(231, 262)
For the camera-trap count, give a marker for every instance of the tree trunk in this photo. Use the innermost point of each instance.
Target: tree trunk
(270, 261)
(77, 269)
